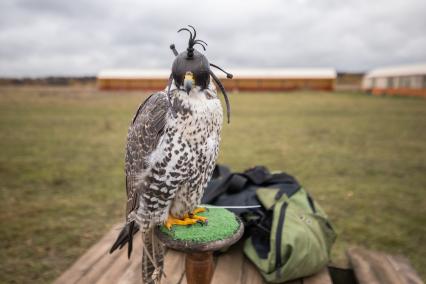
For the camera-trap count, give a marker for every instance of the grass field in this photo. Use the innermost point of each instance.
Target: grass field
(62, 184)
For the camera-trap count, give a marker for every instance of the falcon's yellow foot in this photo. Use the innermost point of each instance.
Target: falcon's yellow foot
(200, 219)
(175, 221)
(188, 219)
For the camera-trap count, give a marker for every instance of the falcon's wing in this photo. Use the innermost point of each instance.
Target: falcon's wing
(144, 133)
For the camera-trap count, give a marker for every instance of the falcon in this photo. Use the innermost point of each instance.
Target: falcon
(172, 147)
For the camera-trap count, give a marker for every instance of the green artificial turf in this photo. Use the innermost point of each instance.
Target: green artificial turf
(221, 225)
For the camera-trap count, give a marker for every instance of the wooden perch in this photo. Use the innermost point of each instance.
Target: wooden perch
(199, 265)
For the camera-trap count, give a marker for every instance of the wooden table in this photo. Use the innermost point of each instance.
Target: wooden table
(100, 267)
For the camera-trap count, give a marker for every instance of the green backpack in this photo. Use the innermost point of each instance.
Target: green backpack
(288, 235)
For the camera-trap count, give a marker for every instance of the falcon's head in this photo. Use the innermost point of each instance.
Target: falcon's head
(189, 72)
(191, 68)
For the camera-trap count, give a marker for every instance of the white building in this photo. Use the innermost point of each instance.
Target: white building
(407, 80)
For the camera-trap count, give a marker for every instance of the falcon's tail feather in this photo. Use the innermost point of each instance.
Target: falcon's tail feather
(125, 237)
(152, 258)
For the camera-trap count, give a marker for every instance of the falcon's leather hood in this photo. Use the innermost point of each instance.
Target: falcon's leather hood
(198, 65)
(191, 60)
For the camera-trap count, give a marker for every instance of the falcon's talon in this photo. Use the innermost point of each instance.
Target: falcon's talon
(200, 219)
(199, 210)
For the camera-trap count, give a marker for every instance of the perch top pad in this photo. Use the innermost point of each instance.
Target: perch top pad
(222, 224)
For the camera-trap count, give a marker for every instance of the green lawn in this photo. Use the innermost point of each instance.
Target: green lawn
(62, 184)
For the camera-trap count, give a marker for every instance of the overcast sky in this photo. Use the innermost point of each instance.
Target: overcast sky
(81, 37)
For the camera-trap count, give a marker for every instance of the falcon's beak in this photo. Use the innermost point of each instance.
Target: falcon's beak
(188, 82)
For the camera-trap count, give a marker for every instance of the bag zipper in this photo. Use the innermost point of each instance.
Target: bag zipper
(278, 236)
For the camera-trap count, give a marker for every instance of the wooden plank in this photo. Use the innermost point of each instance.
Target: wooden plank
(376, 267)
(403, 266)
(98, 266)
(174, 268)
(251, 274)
(121, 263)
(90, 259)
(133, 273)
(371, 267)
(106, 263)
(229, 267)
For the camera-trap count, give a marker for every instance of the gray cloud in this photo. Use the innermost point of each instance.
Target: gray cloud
(80, 37)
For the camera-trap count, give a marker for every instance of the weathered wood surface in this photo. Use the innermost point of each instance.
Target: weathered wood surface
(229, 267)
(376, 267)
(98, 266)
(174, 268)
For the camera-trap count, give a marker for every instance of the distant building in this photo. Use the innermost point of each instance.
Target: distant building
(401, 80)
(349, 81)
(244, 79)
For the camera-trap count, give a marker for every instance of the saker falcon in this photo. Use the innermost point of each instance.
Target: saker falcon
(172, 147)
